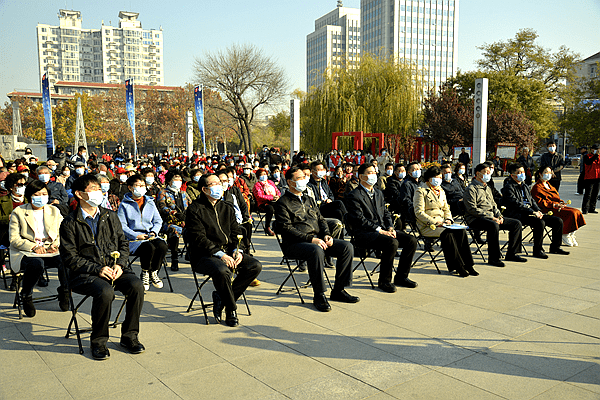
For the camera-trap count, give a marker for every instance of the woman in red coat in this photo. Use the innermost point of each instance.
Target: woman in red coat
(548, 199)
(266, 193)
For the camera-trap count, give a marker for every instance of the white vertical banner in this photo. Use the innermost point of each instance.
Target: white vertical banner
(189, 138)
(480, 121)
(294, 125)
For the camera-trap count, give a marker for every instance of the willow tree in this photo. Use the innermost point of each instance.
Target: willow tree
(376, 96)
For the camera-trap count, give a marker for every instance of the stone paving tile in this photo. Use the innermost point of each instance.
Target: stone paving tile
(588, 379)
(460, 312)
(334, 386)
(538, 313)
(509, 325)
(31, 384)
(593, 312)
(474, 338)
(567, 391)
(565, 303)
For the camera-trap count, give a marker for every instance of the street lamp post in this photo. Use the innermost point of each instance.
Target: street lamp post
(173, 142)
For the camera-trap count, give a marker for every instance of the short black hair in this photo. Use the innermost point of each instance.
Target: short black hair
(146, 171)
(398, 166)
(81, 183)
(457, 167)
(551, 142)
(172, 174)
(409, 165)
(444, 166)
(512, 167)
(12, 179)
(389, 165)
(481, 167)
(315, 164)
(291, 171)
(363, 167)
(34, 187)
(430, 172)
(80, 148)
(135, 178)
(304, 166)
(222, 172)
(274, 168)
(203, 180)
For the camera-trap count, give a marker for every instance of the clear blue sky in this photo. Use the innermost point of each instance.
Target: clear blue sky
(279, 27)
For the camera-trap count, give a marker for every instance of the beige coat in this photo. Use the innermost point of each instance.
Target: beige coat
(22, 235)
(430, 209)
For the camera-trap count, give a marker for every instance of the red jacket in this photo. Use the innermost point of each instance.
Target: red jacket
(592, 166)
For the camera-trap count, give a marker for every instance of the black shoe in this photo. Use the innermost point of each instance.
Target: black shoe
(593, 211)
(405, 282)
(343, 296)
(43, 282)
(231, 318)
(321, 303)
(28, 306)
(540, 254)
(496, 263)
(302, 266)
(100, 353)
(174, 265)
(515, 258)
(583, 211)
(471, 270)
(559, 251)
(63, 299)
(132, 345)
(462, 272)
(217, 307)
(387, 287)
(13, 285)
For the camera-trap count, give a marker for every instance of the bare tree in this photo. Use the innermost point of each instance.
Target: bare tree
(247, 79)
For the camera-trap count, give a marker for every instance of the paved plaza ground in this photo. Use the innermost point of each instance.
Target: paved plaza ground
(526, 331)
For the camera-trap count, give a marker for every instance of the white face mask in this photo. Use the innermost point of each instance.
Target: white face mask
(416, 174)
(123, 178)
(44, 178)
(149, 180)
(20, 190)
(402, 175)
(95, 198)
(66, 173)
(176, 185)
(105, 186)
(372, 179)
(461, 171)
(79, 171)
(139, 191)
(25, 174)
(436, 182)
(389, 172)
(546, 177)
(321, 174)
(448, 177)
(486, 177)
(551, 149)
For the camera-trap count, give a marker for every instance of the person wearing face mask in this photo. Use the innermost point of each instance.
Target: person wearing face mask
(109, 201)
(329, 207)
(172, 203)
(337, 183)
(528, 164)
(548, 199)
(81, 156)
(359, 158)
(142, 223)
(277, 179)
(555, 161)
(59, 158)
(492, 185)
(33, 229)
(353, 182)
(392, 191)
(460, 175)
(77, 171)
(482, 214)
(591, 181)
(266, 194)
(58, 194)
(432, 209)
(334, 160)
(371, 224)
(384, 157)
(118, 186)
(24, 170)
(453, 190)
(88, 236)
(305, 235)
(407, 192)
(264, 157)
(193, 187)
(348, 158)
(152, 184)
(211, 232)
(520, 205)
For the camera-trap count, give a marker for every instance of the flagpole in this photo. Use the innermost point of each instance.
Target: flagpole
(204, 136)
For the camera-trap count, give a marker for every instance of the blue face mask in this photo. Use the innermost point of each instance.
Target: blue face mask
(486, 178)
(520, 177)
(416, 174)
(105, 186)
(216, 192)
(372, 179)
(39, 201)
(262, 178)
(276, 175)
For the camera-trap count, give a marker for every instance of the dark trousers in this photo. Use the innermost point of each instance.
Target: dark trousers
(336, 209)
(247, 236)
(388, 247)
(173, 245)
(103, 295)
(33, 269)
(152, 253)
(247, 270)
(455, 245)
(314, 256)
(268, 210)
(555, 182)
(537, 225)
(515, 231)
(580, 182)
(590, 194)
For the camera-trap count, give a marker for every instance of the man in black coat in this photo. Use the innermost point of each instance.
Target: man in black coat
(528, 164)
(234, 196)
(370, 222)
(407, 192)
(305, 236)
(464, 158)
(330, 208)
(212, 234)
(88, 237)
(520, 205)
(555, 161)
(392, 187)
(454, 191)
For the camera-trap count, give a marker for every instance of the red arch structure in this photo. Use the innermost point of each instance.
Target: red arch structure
(359, 139)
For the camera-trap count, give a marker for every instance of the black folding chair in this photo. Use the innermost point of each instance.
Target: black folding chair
(260, 222)
(198, 294)
(363, 254)
(285, 259)
(426, 244)
(18, 302)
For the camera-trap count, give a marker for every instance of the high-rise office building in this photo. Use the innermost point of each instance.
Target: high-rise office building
(68, 52)
(334, 43)
(423, 32)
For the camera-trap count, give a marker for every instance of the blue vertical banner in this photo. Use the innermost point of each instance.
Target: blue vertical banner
(130, 108)
(47, 104)
(199, 102)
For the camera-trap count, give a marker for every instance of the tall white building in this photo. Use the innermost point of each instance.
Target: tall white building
(106, 55)
(423, 32)
(334, 43)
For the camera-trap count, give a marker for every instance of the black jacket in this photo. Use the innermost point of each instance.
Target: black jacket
(211, 229)
(464, 158)
(364, 214)
(118, 188)
(555, 161)
(85, 255)
(392, 192)
(314, 185)
(298, 219)
(513, 195)
(228, 197)
(454, 191)
(407, 193)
